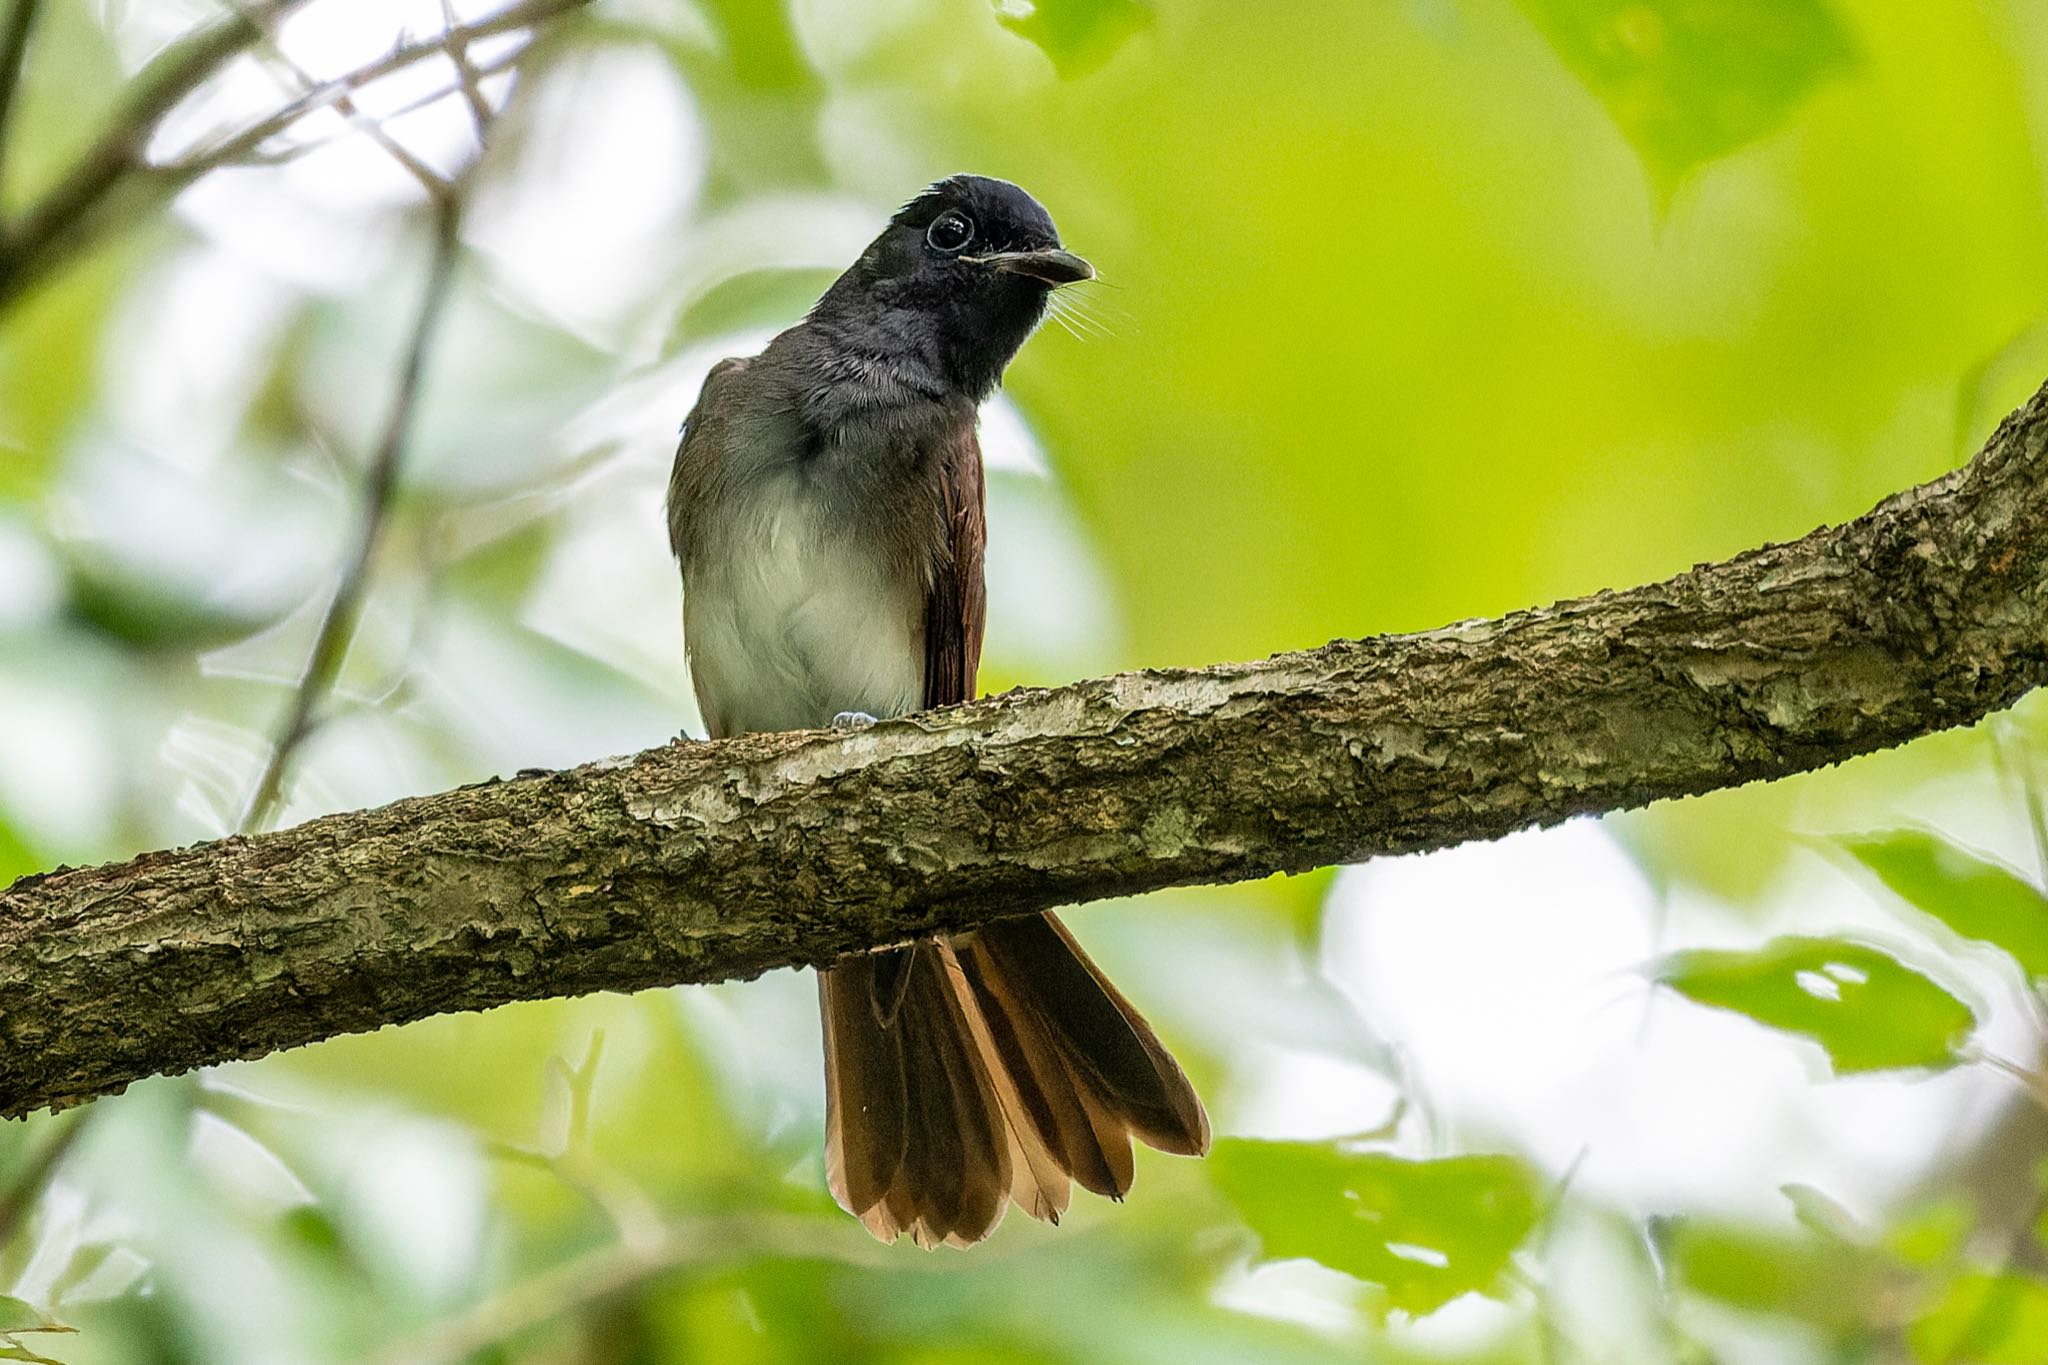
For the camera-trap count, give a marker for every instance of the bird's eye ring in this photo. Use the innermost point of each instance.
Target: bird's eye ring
(951, 231)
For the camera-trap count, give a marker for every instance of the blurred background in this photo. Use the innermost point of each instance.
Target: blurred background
(1411, 311)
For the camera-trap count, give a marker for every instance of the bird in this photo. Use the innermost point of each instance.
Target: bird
(826, 510)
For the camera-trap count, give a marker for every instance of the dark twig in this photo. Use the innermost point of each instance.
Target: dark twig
(338, 626)
(21, 19)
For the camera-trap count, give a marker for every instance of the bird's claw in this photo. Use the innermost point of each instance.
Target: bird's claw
(852, 720)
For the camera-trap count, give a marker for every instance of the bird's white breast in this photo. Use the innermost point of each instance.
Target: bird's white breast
(790, 620)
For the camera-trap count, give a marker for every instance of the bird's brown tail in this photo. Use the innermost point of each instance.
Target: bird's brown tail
(964, 1072)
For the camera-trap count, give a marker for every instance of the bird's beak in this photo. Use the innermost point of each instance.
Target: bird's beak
(1049, 265)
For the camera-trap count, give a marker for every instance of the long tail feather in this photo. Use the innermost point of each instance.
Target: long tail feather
(962, 1074)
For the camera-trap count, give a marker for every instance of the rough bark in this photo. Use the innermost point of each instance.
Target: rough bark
(701, 862)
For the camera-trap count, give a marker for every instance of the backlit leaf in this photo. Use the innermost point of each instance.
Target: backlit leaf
(1868, 1010)
(1971, 894)
(1079, 35)
(1690, 80)
(1986, 1320)
(1427, 1231)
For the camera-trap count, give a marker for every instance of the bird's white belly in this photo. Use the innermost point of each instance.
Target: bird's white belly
(789, 621)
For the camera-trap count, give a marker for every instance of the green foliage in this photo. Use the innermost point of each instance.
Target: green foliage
(47, 374)
(1389, 335)
(1868, 1010)
(1691, 80)
(1971, 894)
(1986, 1319)
(1424, 1231)
(1079, 35)
(1822, 1279)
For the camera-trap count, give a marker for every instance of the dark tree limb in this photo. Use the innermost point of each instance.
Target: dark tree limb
(701, 862)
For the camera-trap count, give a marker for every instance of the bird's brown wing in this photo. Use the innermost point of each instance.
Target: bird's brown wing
(956, 603)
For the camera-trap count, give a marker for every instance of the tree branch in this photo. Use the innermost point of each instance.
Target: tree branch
(701, 862)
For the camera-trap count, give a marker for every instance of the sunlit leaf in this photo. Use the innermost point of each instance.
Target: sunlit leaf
(1986, 1320)
(1971, 894)
(1690, 80)
(1428, 1231)
(1868, 1010)
(1079, 35)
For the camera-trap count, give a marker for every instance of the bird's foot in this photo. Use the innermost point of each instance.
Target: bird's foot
(852, 720)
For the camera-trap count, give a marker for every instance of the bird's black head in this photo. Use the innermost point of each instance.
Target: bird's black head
(956, 281)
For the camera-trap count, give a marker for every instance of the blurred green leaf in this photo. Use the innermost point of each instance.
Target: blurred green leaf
(1079, 35)
(18, 1315)
(751, 299)
(1986, 1320)
(1822, 1279)
(1868, 1010)
(49, 347)
(1997, 384)
(1823, 1213)
(17, 859)
(1971, 894)
(14, 1350)
(1428, 1231)
(1933, 1233)
(149, 611)
(1690, 80)
(1303, 897)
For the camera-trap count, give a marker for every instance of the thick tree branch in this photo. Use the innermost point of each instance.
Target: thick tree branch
(700, 862)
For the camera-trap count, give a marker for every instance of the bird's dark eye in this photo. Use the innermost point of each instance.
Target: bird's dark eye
(949, 232)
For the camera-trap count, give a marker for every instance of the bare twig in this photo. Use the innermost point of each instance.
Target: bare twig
(21, 19)
(255, 155)
(236, 146)
(337, 627)
(437, 186)
(72, 215)
(471, 80)
(62, 221)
